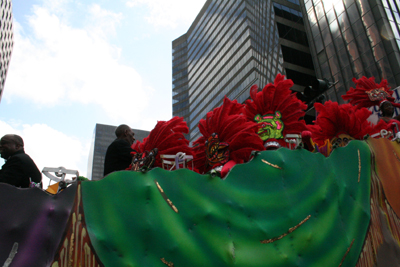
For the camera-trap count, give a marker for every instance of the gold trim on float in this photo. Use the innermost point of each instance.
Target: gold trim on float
(285, 234)
(272, 165)
(347, 252)
(169, 264)
(169, 202)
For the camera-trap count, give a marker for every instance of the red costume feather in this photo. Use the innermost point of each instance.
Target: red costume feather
(359, 96)
(168, 137)
(277, 97)
(226, 136)
(334, 119)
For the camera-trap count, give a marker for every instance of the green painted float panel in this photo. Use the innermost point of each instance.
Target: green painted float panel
(283, 208)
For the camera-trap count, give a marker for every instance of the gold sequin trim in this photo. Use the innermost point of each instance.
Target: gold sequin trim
(170, 264)
(347, 252)
(285, 234)
(165, 197)
(270, 164)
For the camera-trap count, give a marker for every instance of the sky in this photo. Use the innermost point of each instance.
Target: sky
(76, 63)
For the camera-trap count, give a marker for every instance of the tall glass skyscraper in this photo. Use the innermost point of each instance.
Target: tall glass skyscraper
(6, 40)
(354, 38)
(232, 45)
(180, 92)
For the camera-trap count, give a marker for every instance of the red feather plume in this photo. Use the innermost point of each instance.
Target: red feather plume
(233, 129)
(358, 96)
(334, 119)
(274, 97)
(168, 137)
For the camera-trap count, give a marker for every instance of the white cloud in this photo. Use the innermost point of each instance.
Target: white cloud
(49, 147)
(103, 22)
(169, 13)
(59, 64)
(5, 128)
(43, 141)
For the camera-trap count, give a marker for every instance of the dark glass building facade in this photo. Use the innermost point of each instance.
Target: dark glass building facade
(103, 136)
(180, 92)
(354, 38)
(6, 40)
(232, 45)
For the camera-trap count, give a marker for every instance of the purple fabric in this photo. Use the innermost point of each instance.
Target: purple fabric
(35, 220)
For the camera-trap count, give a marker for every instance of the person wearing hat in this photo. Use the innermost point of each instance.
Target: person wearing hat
(19, 169)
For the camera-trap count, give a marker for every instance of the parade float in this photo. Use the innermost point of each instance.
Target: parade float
(325, 195)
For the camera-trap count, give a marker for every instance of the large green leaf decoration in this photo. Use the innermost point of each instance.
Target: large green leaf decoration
(283, 208)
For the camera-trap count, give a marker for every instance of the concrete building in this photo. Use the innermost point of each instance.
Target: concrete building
(6, 40)
(103, 136)
(232, 45)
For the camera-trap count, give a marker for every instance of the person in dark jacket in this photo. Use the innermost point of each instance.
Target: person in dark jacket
(19, 169)
(118, 155)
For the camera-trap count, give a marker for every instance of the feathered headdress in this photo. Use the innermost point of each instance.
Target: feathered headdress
(368, 93)
(336, 122)
(227, 136)
(277, 109)
(167, 137)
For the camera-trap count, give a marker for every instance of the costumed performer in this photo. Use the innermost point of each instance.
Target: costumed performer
(368, 93)
(336, 125)
(167, 138)
(227, 138)
(278, 111)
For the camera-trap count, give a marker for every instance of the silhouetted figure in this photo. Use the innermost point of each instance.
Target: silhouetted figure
(19, 169)
(118, 155)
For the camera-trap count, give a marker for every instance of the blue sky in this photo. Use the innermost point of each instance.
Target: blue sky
(78, 63)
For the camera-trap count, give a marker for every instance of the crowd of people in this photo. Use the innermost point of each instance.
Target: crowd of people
(231, 132)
